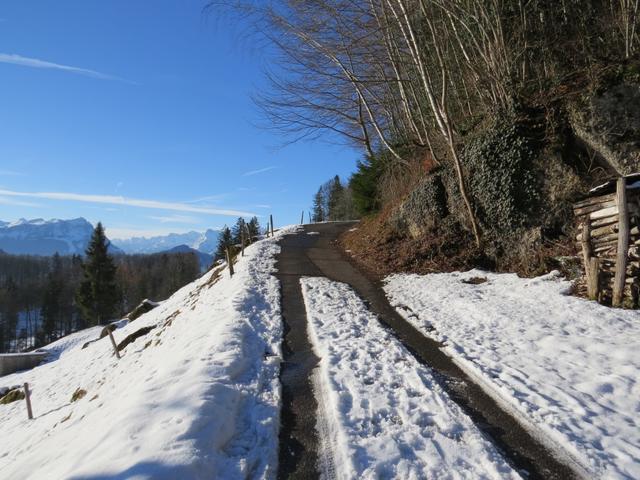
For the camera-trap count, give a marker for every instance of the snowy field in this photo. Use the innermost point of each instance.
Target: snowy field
(568, 366)
(197, 397)
(382, 415)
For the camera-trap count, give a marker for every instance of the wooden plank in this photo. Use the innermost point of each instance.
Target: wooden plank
(623, 242)
(603, 222)
(601, 231)
(594, 207)
(597, 243)
(594, 200)
(612, 212)
(605, 212)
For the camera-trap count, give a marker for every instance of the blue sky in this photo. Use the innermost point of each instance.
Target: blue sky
(138, 113)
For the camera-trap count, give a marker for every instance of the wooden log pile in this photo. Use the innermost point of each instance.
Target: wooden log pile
(609, 237)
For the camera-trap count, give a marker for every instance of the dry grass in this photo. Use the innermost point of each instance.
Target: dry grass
(381, 251)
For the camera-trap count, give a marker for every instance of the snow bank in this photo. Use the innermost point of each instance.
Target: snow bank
(382, 413)
(197, 397)
(568, 366)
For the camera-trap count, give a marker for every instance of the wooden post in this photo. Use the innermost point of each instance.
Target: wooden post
(623, 242)
(593, 280)
(302, 218)
(113, 342)
(27, 398)
(271, 222)
(242, 241)
(229, 262)
(586, 256)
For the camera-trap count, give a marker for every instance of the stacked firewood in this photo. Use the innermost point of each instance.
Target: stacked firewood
(609, 237)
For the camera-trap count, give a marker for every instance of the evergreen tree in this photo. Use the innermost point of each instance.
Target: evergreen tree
(254, 228)
(98, 293)
(10, 309)
(318, 207)
(239, 231)
(52, 304)
(225, 241)
(335, 200)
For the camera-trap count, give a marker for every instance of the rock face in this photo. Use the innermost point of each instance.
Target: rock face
(145, 306)
(609, 123)
(423, 208)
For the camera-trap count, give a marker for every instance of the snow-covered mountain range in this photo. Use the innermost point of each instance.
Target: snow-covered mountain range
(205, 242)
(46, 237)
(69, 237)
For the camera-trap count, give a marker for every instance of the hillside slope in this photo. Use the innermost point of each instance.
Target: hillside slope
(196, 397)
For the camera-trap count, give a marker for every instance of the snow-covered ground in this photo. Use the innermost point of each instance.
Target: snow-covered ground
(382, 415)
(568, 366)
(197, 397)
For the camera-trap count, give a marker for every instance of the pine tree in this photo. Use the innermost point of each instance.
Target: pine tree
(318, 207)
(239, 231)
(254, 228)
(9, 309)
(225, 241)
(335, 200)
(98, 293)
(52, 304)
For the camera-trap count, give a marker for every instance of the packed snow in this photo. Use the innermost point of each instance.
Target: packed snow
(197, 397)
(382, 414)
(567, 366)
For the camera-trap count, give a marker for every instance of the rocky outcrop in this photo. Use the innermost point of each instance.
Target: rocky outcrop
(423, 208)
(145, 306)
(608, 122)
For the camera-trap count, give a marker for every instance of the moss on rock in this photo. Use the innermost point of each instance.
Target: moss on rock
(13, 396)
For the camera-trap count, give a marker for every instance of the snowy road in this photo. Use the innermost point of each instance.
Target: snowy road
(383, 414)
(454, 395)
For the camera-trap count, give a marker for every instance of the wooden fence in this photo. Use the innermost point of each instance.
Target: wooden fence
(609, 237)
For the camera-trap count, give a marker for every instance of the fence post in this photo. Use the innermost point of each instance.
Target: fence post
(113, 342)
(27, 397)
(271, 222)
(242, 241)
(302, 218)
(587, 256)
(229, 262)
(623, 242)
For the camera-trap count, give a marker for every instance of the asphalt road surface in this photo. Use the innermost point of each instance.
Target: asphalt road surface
(319, 255)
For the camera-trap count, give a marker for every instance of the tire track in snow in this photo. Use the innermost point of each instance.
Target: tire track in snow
(317, 255)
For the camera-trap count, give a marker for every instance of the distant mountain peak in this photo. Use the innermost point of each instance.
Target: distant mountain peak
(205, 242)
(46, 237)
